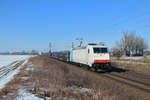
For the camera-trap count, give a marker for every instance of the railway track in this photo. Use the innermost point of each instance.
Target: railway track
(127, 81)
(130, 82)
(122, 79)
(4, 71)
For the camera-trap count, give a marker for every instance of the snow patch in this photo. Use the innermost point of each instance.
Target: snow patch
(136, 58)
(24, 95)
(77, 90)
(24, 78)
(30, 67)
(129, 62)
(132, 58)
(148, 57)
(7, 59)
(5, 79)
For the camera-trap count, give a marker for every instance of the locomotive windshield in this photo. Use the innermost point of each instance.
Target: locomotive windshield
(100, 50)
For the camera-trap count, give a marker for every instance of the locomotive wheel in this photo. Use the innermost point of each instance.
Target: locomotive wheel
(109, 67)
(92, 69)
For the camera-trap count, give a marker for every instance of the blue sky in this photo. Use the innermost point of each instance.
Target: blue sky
(32, 24)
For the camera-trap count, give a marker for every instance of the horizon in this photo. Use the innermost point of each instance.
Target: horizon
(33, 24)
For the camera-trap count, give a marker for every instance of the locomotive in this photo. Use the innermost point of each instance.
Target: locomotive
(95, 56)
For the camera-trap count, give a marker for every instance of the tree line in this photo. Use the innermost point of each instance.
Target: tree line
(130, 45)
(33, 52)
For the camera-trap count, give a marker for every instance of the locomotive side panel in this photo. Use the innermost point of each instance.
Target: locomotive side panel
(79, 56)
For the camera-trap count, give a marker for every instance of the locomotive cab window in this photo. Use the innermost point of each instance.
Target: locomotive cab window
(100, 50)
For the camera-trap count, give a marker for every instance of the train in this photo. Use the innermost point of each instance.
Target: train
(95, 56)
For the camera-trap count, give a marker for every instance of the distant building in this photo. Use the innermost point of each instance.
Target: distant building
(39, 53)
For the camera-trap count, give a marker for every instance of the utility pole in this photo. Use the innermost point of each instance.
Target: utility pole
(80, 41)
(50, 49)
(72, 45)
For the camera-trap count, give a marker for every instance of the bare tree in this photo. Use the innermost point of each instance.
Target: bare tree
(142, 45)
(131, 44)
(120, 48)
(128, 42)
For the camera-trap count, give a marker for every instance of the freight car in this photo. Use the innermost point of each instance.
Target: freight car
(95, 56)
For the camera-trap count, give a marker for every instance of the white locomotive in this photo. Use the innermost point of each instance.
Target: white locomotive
(94, 55)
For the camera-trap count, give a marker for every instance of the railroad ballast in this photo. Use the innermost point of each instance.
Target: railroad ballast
(94, 55)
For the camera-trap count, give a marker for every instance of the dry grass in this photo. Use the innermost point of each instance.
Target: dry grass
(135, 65)
(10, 91)
(145, 60)
(53, 78)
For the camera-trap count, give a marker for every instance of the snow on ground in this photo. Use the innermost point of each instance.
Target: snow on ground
(24, 95)
(7, 70)
(7, 59)
(132, 58)
(148, 57)
(136, 58)
(131, 62)
(76, 89)
(4, 79)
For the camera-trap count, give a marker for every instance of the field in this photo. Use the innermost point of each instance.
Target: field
(44, 78)
(7, 59)
(9, 66)
(137, 64)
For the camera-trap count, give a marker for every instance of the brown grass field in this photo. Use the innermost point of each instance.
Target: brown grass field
(61, 81)
(141, 66)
